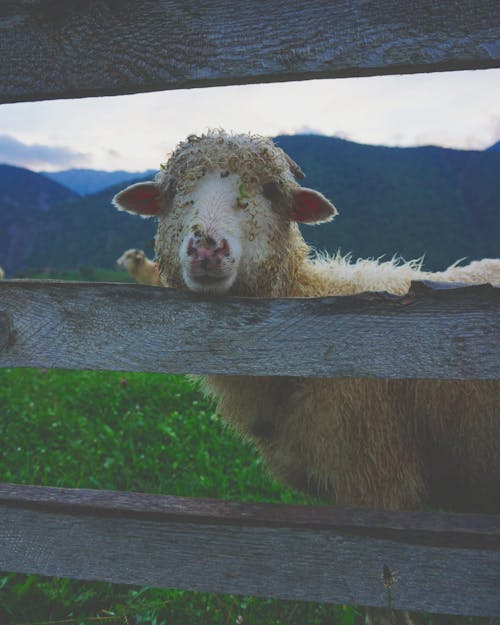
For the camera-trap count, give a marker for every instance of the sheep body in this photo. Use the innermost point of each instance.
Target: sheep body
(227, 208)
(139, 267)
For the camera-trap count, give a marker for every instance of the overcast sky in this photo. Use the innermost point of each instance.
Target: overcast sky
(455, 109)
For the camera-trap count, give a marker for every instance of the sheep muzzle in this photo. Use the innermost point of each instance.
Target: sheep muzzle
(208, 264)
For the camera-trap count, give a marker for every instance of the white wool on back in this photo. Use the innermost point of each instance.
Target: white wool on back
(485, 271)
(341, 276)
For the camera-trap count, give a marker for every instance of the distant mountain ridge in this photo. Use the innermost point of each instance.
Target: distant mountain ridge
(89, 181)
(25, 201)
(89, 232)
(440, 203)
(443, 204)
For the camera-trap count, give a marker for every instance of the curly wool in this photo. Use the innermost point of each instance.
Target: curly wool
(254, 158)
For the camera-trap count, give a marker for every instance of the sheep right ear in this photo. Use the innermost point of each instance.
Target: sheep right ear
(142, 199)
(311, 207)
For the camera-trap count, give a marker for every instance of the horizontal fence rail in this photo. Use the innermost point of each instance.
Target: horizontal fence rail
(433, 332)
(104, 47)
(440, 562)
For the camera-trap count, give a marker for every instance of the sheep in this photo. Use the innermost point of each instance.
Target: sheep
(2, 274)
(143, 270)
(228, 206)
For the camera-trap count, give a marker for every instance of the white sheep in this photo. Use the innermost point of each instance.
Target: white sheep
(143, 270)
(227, 208)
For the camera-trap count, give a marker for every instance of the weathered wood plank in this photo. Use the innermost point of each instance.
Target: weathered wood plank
(438, 528)
(444, 563)
(449, 333)
(99, 47)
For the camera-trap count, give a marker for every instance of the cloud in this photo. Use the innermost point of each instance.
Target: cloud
(308, 130)
(37, 156)
(135, 132)
(494, 124)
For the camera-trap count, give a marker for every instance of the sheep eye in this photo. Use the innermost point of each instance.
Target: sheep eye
(271, 190)
(224, 174)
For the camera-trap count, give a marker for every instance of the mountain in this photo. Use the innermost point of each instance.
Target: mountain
(88, 181)
(441, 203)
(89, 232)
(25, 201)
(430, 201)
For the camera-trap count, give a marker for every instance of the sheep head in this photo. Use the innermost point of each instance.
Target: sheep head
(227, 208)
(131, 259)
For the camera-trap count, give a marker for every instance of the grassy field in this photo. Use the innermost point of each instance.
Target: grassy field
(87, 274)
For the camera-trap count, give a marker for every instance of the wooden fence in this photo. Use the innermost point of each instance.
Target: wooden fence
(445, 562)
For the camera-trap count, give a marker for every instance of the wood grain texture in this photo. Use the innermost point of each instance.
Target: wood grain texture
(58, 49)
(327, 554)
(435, 528)
(449, 333)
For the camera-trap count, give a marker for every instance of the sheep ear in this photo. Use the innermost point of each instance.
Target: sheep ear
(311, 207)
(142, 199)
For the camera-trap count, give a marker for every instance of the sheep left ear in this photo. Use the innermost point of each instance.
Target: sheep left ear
(142, 199)
(311, 207)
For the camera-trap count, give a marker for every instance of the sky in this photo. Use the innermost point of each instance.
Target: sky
(453, 109)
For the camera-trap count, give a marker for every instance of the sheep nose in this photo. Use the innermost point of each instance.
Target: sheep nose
(207, 253)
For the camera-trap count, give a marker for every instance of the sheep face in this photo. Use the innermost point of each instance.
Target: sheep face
(227, 207)
(221, 235)
(130, 259)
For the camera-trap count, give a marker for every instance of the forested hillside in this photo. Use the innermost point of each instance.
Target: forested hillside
(89, 232)
(25, 201)
(444, 204)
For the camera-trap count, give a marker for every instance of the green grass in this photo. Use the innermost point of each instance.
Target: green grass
(87, 274)
(148, 432)
(136, 432)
